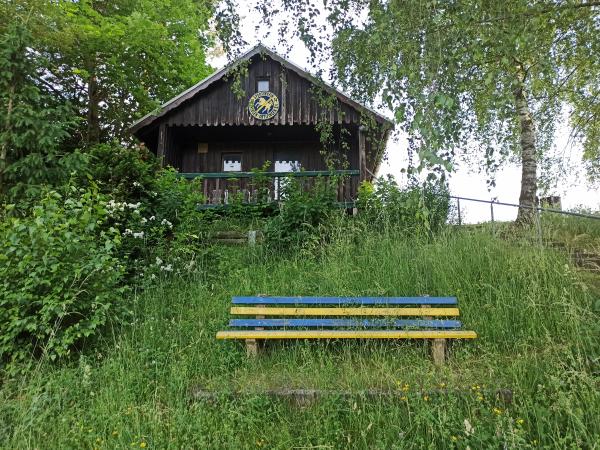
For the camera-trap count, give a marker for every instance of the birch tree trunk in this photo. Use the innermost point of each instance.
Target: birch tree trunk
(528, 156)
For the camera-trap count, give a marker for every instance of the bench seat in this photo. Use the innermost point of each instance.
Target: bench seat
(346, 318)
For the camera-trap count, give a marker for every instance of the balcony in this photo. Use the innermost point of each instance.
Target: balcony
(220, 189)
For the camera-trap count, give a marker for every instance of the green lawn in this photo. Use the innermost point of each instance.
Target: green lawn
(534, 315)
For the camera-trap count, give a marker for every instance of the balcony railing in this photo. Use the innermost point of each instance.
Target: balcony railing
(223, 188)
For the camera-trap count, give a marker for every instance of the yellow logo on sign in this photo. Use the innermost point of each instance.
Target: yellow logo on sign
(263, 105)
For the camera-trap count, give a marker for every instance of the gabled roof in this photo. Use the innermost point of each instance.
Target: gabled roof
(257, 50)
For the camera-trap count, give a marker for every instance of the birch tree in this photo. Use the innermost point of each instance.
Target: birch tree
(484, 79)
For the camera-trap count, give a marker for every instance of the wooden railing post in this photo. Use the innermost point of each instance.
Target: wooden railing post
(362, 153)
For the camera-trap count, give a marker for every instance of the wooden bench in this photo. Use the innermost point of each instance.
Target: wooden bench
(346, 318)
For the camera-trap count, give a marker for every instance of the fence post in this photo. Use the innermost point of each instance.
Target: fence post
(538, 218)
(458, 206)
(492, 214)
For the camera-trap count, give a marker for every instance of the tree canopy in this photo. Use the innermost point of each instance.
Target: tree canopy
(479, 78)
(116, 60)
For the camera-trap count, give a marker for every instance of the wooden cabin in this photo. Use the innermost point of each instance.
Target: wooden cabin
(262, 108)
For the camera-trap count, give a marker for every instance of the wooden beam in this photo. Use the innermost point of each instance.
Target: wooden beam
(346, 334)
(252, 311)
(162, 140)
(362, 153)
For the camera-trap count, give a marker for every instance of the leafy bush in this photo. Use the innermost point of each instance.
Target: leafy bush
(126, 174)
(304, 215)
(413, 209)
(59, 275)
(154, 209)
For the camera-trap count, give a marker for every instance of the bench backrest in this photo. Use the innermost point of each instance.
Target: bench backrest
(345, 312)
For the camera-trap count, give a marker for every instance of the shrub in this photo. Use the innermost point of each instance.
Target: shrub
(59, 275)
(126, 174)
(304, 215)
(413, 209)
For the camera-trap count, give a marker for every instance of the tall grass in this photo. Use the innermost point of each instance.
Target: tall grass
(537, 337)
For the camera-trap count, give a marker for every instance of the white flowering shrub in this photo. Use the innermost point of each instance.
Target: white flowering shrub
(61, 278)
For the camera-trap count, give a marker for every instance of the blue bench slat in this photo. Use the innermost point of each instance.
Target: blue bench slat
(344, 300)
(366, 323)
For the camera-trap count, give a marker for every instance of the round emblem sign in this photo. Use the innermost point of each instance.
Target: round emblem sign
(263, 105)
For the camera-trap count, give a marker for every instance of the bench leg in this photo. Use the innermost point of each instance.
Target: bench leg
(438, 351)
(251, 347)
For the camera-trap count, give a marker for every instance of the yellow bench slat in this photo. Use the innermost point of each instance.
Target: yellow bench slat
(346, 334)
(252, 311)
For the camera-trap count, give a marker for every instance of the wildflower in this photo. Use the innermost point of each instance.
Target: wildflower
(127, 232)
(143, 444)
(167, 223)
(136, 184)
(426, 398)
(260, 442)
(139, 235)
(152, 218)
(405, 388)
(469, 429)
(167, 268)
(497, 411)
(403, 398)
(520, 421)
(115, 433)
(442, 385)
(158, 261)
(453, 438)
(144, 220)
(480, 397)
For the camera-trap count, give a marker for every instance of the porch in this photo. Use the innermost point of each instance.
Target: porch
(221, 189)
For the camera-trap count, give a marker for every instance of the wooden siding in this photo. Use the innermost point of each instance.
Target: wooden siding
(218, 105)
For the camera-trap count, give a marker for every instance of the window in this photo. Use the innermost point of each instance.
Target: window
(262, 85)
(232, 162)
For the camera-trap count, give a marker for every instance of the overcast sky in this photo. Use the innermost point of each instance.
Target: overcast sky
(463, 182)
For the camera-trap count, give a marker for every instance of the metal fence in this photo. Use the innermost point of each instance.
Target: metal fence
(538, 209)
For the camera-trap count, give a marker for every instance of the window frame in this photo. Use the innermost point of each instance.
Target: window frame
(263, 79)
(224, 155)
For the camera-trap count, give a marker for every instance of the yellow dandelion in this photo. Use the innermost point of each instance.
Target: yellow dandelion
(497, 411)
(426, 398)
(98, 440)
(520, 421)
(143, 444)
(442, 385)
(453, 438)
(405, 388)
(403, 398)
(480, 397)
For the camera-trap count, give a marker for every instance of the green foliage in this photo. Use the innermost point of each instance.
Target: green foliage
(153, 208)
(60, 276)
(304, 215)
(424, 209)
(116, 61)
(33, 122)
(123, 173)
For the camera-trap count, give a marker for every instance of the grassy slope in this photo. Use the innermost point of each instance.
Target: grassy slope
(532, 312)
